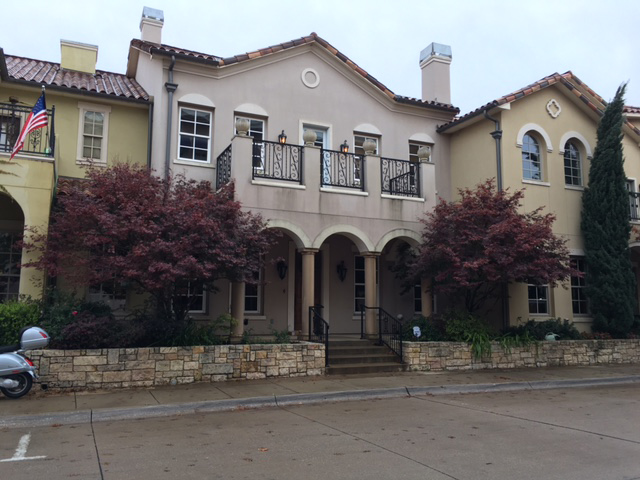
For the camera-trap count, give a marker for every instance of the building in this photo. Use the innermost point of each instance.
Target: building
(541, 139)
(93, 117)
(329, 156)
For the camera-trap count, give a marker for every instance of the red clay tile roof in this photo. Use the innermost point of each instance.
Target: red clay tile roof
(568, 79)
(630, 109)
(313, 37)
(39, 72)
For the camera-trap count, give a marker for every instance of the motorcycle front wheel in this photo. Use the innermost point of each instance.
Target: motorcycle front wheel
(25, 382)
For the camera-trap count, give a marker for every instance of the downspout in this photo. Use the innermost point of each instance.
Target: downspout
(497, 136)
(150, 135)
(171, 87)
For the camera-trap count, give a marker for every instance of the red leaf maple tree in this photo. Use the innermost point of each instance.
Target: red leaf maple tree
(473, 246)
(126, 225)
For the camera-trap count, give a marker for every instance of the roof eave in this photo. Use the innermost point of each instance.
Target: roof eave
(77, 91)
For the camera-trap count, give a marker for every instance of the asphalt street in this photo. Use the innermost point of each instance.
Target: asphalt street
(578, 433)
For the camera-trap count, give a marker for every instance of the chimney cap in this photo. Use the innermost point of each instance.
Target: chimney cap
(153, 14)
(435, 50)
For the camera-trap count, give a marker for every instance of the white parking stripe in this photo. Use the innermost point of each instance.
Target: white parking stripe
(23, 445)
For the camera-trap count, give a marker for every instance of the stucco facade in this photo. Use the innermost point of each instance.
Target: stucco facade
(559, 113)
(335, 210)
(74, 97)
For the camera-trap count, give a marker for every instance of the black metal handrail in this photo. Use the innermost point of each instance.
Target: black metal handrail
(319, 330)
(338, 169)
(223, 168)
(277, 161)
(389, 329)
(39, 142)
(634, 205)
(400, 177)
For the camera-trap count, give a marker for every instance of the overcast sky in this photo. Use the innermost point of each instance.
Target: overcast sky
(498, 46)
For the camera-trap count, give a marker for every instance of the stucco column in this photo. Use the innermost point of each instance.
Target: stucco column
(425, 297)
(237, 307)
(308, 287)
(370, 293)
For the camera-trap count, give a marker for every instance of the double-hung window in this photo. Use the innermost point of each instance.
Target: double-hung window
(192, 296)
(579, 300)
(195, 135)
(93, 133)
(10, 258)
(572, 165)
(253, 294)
(538, 299)
(358, 142)
(531, 159)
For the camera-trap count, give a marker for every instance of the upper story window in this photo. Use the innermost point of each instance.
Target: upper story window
(634, 206)
(413, 150)
(93, 133)
(531, 158)
(572, 165)
(9, 131)
(195, 135)
(257, 131)
(358, 142)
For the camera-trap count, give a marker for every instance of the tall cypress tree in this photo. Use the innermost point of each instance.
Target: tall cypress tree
(606, 228)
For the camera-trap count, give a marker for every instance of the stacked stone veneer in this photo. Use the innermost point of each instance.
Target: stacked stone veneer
(146, 367)
(438, 356)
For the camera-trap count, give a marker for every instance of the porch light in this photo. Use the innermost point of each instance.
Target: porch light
(282, 267)
(282, 138)
(342, 271)
(344, 148)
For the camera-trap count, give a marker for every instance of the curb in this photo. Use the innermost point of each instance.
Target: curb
(136, 413)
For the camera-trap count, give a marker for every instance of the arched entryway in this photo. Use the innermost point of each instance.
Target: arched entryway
(11, 230)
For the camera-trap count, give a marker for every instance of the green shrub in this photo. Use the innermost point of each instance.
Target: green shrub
(459, 326)
(281, 336)
(14, 316)
(538, 330)
(90, 331)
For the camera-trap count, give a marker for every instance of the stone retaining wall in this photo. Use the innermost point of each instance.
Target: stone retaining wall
(146, 367)
(438, 356)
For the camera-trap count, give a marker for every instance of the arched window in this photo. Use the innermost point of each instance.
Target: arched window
(531, 159)
(572, 165)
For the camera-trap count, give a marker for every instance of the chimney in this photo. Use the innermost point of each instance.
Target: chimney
(151, 25)
(80, 57)
(435, 62)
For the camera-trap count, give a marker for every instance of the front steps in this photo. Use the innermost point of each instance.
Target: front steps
(347, 357)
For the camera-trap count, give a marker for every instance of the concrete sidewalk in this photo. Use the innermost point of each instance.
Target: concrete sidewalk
(40, 410)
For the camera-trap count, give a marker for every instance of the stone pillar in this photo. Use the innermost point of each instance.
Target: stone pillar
(237, 308)
(308, 287)
(370, 293)
(426, 297)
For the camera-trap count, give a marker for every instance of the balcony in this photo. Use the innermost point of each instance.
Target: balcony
(40, 142)
(634, 206)
(310, 180)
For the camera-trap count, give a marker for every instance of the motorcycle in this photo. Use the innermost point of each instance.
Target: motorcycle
(17, 371)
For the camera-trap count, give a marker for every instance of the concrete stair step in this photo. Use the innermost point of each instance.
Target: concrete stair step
(384, 357)
(359, 368)
(361, 351)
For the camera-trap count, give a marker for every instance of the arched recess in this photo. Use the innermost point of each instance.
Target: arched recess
(534, 127)
(196, 99)
(300, 238)
(422, 138)
(357, 236)
(568, 136)
(409, 236)
(251, 109)
(368, 128)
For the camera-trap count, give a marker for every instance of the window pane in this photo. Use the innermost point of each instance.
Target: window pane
(203, 117)
(186, 127)
(188, 115)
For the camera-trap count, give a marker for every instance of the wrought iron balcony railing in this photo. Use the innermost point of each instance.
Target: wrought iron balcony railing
(277, 161)
(340, 169)
(223, 170)
(38, 142)
(400, 177)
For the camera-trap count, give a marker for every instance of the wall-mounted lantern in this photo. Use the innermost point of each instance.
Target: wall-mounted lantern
(342, 271)
(282, 138)
(282, 267)
(344, 147)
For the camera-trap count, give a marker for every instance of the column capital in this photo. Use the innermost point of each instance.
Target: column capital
(309, 251)
(371, 254)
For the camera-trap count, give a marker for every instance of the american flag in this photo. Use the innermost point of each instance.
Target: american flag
(36, 119)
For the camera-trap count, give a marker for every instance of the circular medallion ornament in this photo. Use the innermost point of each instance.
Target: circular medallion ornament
(310, 77)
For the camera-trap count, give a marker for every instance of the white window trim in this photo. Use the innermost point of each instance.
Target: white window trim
(311, 125)
(92, 107)
(548, 313)
(259, 295)
(191, 161)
